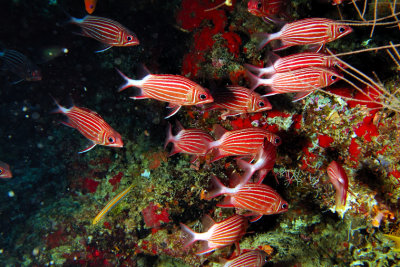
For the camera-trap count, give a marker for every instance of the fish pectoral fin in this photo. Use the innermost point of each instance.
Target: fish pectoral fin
(175, 109)
(256, 218)
(301, 95)
(67, 124)
(205, 248)
(88, 148)
(103, 50)
(229, 113)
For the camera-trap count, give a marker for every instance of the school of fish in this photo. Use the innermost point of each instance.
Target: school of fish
(301, 73)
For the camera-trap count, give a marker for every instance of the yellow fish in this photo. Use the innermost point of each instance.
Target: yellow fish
(111, 204)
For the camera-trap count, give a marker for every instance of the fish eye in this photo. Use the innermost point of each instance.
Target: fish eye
(333, 77)
(259, 5)
(261, 104)
(341, 29)
(203, 96)
(111, 139)
(129, 38)
(277, 140)
(284, 206)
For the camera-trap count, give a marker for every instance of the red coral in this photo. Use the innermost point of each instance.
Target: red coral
(203, 40)
(90, 185)
(367, 128)
(116, 179)
(191, 64)
(233, 42)
(297, 119)
(354, 150)
(153, 215)
(324, 140)
(56, 238)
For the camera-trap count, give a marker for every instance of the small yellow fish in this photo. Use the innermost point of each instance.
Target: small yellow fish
(111, 204)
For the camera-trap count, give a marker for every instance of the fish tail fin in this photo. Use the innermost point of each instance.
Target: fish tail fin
(170, 137)
(217, 188)
(248, 170)
(254, 80)
(189, 235)
(259, 71)
(266, 38)
(129, 82)
(59, 109)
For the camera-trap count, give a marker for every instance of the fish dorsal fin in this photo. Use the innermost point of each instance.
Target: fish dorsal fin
(219, 131)
(207, 222)
(178, 126)
(94, 113)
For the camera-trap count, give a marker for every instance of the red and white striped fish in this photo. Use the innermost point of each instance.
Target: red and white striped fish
(243, 142)
(263, 163)
(338, 178)
(307, 32)
(92, 126)
(188, 141)
(252, 258)
(257, 198)
(176, 89)
(294, 62)
(239, 100)
(267, 9)
(301, 81)
(5, 171)
(106, 31)
(217, 235)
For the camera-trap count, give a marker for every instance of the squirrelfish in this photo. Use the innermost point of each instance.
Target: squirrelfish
(308, 32)
(176, 89)
(294, 62)
(263, 162)
(301, 81)
(252, 258)
(257, 198)
(338, 178)
(5, 171)
(267, 9)
(92, 126)
(106, 31)
(188, 141)
(243, 142)
(239, 100)
(90, 6)
(217, 235)
(19, 65)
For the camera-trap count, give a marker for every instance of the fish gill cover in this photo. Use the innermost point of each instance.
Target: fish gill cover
(123, 204)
